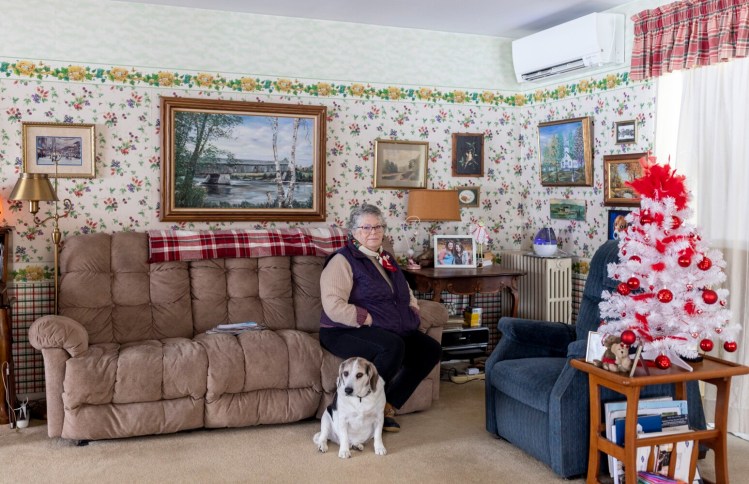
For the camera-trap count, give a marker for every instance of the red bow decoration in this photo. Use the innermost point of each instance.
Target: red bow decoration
(660, 181)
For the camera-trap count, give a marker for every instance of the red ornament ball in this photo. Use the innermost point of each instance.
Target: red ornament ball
(706, 345)
(723, 302)
(675, 222)
(635, 258)
(628, 337)
(684, 260)
(633, 283)
(665, 296)
(709, 296)
(662, 362)
(730, 346)
(623, 289)
(705, 264)
(646, 219)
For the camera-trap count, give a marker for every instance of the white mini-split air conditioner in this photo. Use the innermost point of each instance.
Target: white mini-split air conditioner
(591, 41)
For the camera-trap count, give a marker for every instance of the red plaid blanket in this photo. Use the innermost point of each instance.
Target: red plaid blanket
(181, 245)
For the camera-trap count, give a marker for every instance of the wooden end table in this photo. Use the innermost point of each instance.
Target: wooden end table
(711, 370)
(466, 281)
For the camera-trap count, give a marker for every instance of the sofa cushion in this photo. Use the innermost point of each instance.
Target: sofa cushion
(528, 380)
(148, 371)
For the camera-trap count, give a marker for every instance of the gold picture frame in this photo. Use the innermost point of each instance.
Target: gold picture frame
(566, 152)
(400, 165)
(59, 150)
(617, 171)
(246, 173)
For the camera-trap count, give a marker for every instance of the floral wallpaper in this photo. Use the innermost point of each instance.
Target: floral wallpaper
(123, 103)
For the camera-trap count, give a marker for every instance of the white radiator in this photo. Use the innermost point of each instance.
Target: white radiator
(546, 289)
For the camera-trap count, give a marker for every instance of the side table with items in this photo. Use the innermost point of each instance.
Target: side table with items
(711, 370)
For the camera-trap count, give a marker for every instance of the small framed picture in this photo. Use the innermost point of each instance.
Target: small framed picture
(566, 209)
(454, 251)
(617, 223)
(617, 171)
(595, 349)
(625, 132)
(400, 164)
(59, 149)
(468, 196)
(468, 154)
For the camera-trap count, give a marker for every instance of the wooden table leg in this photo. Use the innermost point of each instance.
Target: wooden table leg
(720, 445)
(515, 298)
(594, 455)
(630, 434)
(436, 291)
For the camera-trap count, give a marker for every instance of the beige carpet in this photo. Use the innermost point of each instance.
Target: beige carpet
(447, 444)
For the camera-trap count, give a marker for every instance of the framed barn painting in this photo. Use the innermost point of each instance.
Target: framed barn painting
(242, 161)
(566, 152)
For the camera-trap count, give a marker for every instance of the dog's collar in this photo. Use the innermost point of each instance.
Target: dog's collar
(365, 396)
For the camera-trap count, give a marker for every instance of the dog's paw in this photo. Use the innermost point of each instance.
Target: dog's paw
(358, 447)
(323, 447)
(380, 450)
(344, 454)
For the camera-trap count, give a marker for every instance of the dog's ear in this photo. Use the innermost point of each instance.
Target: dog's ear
(374, 377)
(339, 380)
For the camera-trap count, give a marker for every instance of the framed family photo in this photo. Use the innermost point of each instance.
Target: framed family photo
(468, 154)
(400, 164)
(468, 196)
(238, 161)
(566, 152)
(625, 132)
(617, 171)
(59, 149)
(454, 251)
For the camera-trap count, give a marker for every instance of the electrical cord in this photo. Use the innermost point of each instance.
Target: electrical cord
(5, 370)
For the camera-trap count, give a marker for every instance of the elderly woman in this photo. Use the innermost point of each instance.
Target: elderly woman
(369, 311)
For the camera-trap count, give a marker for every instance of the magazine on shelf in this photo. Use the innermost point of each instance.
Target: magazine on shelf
(234, 328)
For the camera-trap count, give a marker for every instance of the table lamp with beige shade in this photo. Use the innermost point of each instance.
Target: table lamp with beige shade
(431, 206)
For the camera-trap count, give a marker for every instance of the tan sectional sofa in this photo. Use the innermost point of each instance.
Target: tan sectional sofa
(128, 354)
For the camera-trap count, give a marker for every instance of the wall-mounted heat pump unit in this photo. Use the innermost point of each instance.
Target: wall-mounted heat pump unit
(591, 41)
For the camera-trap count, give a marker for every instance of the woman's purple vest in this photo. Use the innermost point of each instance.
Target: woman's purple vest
(388, 307)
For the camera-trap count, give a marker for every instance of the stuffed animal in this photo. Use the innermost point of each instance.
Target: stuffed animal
(616, 357)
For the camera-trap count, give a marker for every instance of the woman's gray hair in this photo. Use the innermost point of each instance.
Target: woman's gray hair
(362, 210)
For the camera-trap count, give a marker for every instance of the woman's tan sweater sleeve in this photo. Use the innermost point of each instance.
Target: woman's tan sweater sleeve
(336, 282)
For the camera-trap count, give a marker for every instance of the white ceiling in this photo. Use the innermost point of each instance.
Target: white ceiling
(499, 18)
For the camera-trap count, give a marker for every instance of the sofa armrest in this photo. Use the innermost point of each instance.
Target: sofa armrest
(432, 315)
(577, 349)
(527, 338)
(59, 332)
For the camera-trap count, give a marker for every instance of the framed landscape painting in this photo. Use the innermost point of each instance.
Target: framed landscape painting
(566, 152)
(59, 149)
(237, 160)
(617, 171)
(400, 164)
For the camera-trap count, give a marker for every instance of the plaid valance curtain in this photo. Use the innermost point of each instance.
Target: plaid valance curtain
(688, 34)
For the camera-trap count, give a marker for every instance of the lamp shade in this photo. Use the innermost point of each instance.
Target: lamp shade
(434, 205)
(34, 187)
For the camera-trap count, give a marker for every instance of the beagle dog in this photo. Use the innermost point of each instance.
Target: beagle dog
(357, 413)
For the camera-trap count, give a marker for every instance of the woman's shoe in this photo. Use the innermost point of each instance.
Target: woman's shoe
(390, 424)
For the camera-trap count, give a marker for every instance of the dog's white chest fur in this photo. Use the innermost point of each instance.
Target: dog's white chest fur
(357, 412)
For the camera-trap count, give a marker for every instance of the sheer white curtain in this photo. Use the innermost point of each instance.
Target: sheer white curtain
(710, 128)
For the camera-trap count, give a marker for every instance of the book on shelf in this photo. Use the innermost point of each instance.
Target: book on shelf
(665, 423)
(234, 328)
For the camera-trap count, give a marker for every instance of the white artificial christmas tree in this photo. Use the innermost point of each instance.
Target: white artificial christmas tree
(668, 299)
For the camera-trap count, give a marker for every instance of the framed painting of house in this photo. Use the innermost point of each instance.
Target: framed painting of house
(400, 164)
(566, 152)
(237, 160)
(617, 171)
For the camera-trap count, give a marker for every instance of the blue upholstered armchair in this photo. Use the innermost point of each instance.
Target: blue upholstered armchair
(536, 400)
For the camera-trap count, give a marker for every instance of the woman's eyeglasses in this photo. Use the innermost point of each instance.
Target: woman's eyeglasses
(372, 228)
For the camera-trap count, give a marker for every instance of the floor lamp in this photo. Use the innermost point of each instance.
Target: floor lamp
(35, 188)
(432, 206)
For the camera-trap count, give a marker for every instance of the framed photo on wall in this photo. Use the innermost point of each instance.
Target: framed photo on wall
(4, 257)
(617, 171)
(617, 223)
(468, 154)
(625, 132)
(59, 149)
(237, 161)
(566, 209)
(468, 196)
(566, 152)
(400, 164)
(454, 251)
